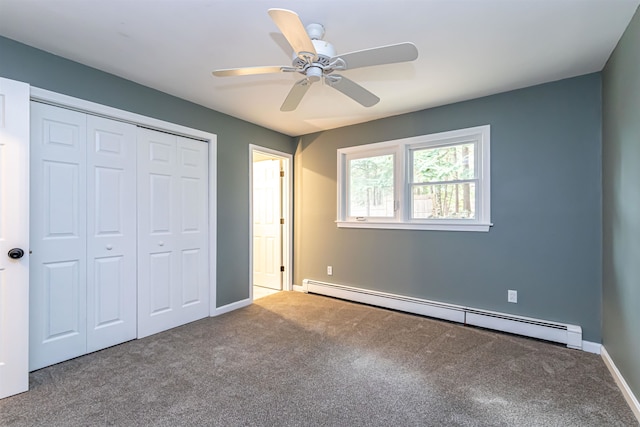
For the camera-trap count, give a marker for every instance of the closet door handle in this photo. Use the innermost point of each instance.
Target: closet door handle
(109, 247)
(160, 243)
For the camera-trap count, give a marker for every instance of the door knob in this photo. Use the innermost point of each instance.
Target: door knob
(15, 253)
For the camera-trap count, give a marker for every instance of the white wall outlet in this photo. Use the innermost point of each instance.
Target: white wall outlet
(512, 296)
(329, 270)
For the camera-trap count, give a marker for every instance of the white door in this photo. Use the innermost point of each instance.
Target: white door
(58, 235)
(173, 230)
(111, 230)
(267, 240)
(14, 233)
(83, 269)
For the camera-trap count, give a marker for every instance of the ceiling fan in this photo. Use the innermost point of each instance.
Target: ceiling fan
(316, 59)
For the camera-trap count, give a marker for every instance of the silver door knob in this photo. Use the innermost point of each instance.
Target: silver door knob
(160, 243)
(109, 247)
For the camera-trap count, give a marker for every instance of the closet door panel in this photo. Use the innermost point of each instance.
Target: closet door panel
(111, 225)
(173, 286)
(157, 223)
(160, 192)
(108, 290)
(62, 310)
(194, 228)
(159, 293)
(57, 296)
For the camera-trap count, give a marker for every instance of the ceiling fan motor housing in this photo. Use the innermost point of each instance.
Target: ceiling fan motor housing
(325, 51)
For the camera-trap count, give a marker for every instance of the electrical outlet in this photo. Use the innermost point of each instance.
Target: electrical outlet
(512, 296)
(329, 270)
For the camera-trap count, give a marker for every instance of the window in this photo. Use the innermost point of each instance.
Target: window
(428, 182)
(370, 185)
(443, 182)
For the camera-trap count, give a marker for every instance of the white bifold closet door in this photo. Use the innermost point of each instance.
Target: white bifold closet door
(111, 225)
(83, 239)
(173, 229)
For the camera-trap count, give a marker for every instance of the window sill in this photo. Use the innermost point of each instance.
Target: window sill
(414, 226)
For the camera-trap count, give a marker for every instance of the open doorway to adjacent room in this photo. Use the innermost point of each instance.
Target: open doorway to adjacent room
(271, 221)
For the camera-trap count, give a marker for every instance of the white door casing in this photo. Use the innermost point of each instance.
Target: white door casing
(111, 233)
(173, 230)
(58, 235)
(14, 233)
(267, 229)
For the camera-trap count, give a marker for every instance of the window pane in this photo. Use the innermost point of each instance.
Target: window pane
(371, 186)
(449, 163)
(444, 201)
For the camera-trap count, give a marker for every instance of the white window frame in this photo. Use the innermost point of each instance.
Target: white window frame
(402, 150)
(365, 152)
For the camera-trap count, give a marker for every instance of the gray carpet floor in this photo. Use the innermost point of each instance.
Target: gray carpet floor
(293, 359)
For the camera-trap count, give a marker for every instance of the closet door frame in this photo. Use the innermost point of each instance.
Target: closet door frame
(65, 101)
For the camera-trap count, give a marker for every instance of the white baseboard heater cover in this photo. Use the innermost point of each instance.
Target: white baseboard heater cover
(571, 335)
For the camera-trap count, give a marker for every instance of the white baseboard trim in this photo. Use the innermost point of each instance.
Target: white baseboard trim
(622, 383)
(591, 347)
(571, 335)
(299, 288)
(230, 307)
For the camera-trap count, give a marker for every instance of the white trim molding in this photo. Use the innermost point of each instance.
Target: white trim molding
(65, 101)
(592, 347)
(233, 306)
(444, 226)
(631, 399)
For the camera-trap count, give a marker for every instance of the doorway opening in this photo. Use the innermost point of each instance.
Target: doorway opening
(270, 221)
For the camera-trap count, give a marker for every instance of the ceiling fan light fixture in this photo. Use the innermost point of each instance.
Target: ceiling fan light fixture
(314, 74)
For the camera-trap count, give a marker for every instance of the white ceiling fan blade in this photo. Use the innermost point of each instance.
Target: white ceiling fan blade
(352, 90)
(295, 95)
(391, 54)
(246, 71)
(291, 27)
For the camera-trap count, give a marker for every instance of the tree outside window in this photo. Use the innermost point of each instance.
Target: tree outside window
(371, 186)
(444, 182)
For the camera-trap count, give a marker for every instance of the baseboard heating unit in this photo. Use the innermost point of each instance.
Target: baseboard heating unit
(571, 335)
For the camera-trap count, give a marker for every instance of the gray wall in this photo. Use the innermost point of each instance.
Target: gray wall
(546, 206)
(621, 205)
(40, 69)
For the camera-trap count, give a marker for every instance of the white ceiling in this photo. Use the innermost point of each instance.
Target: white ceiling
(467, 48)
